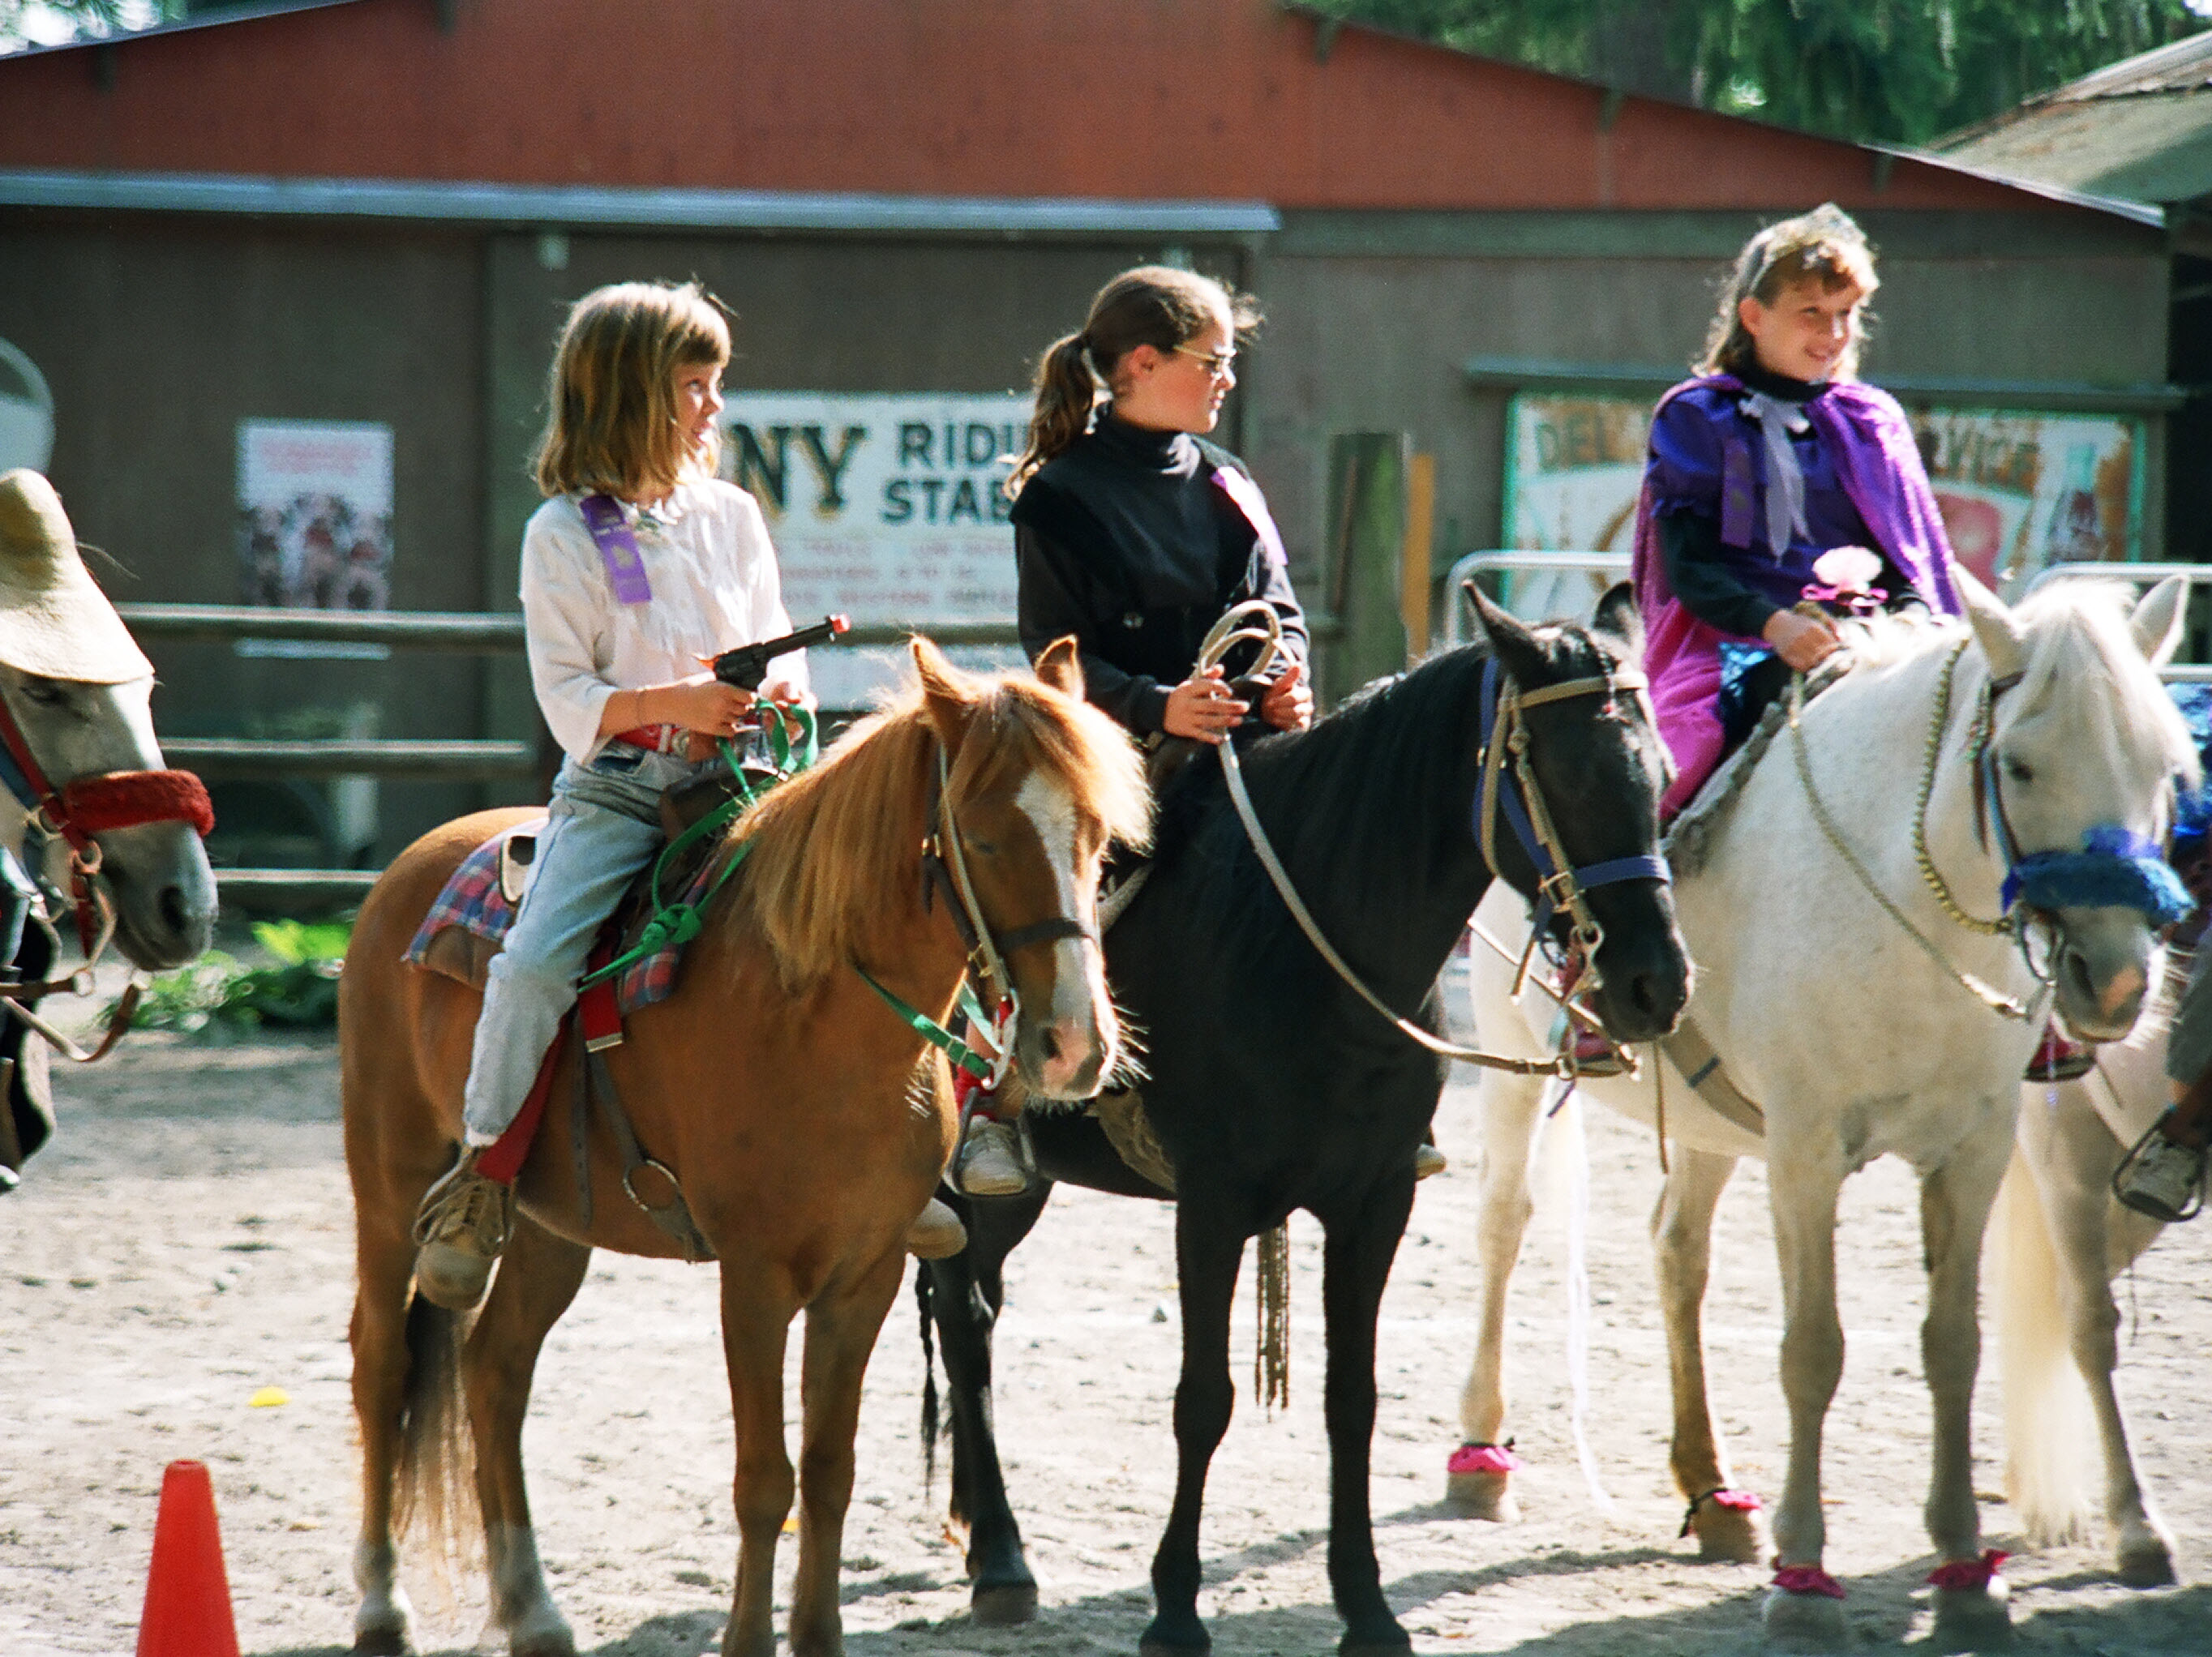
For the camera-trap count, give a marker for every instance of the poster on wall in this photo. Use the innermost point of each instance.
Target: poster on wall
(314, 513)
(885, 507)
(2018, 491)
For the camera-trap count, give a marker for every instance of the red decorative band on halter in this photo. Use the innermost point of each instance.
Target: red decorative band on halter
(125, 799)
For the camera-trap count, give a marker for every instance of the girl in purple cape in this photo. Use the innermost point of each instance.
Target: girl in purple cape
(1774, 455)
(1778, 487)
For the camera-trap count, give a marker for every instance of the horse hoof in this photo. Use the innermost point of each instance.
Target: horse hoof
(1805, 1621)
(548, 1645)
(1385, 1646)
(382, 1642)
(1973, 1619)
(1483, 1496)
(2148, 1564)
(1004, 1605)
(1725, 1535)
(1157, 1641)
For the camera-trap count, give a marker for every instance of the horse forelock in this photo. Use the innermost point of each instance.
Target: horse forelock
(837, 847)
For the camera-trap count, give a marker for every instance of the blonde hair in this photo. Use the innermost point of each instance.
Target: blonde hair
(1825, 246)
(1154, 305)
(611, 425)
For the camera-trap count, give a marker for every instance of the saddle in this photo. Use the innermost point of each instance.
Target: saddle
(468, 924)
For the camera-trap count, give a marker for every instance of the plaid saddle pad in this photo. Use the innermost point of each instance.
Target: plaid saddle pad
(473, 901)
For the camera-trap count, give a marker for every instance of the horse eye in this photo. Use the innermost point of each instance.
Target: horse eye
(2018, 770)
(981, 847)
(46, 693)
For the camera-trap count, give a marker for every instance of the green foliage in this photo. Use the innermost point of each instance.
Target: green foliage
(56, 22)
(1887, 71)
(220, 995)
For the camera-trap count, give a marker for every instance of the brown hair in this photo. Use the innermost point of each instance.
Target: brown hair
(1154, 305)
(611, 425)
(1825, 246)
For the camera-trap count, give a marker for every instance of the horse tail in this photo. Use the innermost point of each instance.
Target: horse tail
(435, 1474)
(2049, 1428)
(924, 1299)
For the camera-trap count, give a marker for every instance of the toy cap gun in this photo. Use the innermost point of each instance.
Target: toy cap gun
(747, 665)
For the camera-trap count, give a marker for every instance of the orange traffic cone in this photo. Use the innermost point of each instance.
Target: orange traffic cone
(187, 1592)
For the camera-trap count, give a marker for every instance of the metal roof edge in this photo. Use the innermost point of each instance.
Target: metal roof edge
(2143, 213)
(587, 206)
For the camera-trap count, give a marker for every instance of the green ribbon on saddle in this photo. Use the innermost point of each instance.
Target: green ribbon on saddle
(934, 1032)
(675, 924)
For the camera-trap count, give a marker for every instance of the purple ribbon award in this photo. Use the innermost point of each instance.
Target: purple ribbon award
(612, 534)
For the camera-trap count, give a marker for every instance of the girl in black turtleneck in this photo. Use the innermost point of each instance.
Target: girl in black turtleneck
(1135, 535)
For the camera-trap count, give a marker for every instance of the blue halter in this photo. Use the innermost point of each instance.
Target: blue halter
(2116, 868)
(1556, 887)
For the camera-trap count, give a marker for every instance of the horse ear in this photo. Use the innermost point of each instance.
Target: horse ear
(1061, 667)
(947, 694)
(1995, 629)
(2156, 621)
(1619, 618)
(1510, 640)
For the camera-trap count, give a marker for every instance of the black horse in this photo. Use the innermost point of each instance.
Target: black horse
(1273, 1087)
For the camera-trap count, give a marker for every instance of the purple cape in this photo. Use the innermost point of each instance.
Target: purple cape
(1878, 464)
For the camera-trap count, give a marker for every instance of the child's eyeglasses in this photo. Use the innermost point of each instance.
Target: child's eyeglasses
(1221, 365)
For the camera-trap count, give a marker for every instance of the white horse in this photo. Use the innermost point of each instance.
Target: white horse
(2057, 1241)
(84, 800)
(1854, 1007)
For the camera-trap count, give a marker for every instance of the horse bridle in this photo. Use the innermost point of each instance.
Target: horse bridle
(76, 813)
(945, 865)
(1560, 882)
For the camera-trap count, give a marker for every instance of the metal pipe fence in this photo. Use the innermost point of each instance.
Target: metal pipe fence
(423, 759)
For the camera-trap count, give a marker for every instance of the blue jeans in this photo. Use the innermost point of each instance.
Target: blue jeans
(602, 826)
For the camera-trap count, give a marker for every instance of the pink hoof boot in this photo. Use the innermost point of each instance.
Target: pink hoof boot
(1729, 1524)
(1972, 1612)
(1804, 1612)
(1478, 1481)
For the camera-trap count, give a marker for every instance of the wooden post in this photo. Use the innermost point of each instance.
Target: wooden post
(1413, 563)
(1367, 514)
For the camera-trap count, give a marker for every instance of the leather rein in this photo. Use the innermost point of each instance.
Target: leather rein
(1561, 883)
(76, 813)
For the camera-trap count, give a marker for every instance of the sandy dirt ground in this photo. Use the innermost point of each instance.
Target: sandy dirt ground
(187, 1244)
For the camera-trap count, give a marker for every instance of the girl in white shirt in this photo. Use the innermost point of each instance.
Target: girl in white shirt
(640, 563)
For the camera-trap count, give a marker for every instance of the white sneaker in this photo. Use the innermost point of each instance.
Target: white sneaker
(990, 1160)
(2162, 1178)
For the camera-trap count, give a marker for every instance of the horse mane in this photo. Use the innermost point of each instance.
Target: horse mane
(2075, 633)
(837, 849)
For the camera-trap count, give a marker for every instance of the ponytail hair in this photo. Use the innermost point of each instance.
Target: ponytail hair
(1154, 305)
(1825, 246)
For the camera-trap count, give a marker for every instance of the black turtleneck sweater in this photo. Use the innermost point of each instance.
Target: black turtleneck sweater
(1124, 540)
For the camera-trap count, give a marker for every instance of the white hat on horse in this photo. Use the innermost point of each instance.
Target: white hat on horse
(54, 620)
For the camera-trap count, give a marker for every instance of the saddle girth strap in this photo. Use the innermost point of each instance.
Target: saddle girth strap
(593, 1081)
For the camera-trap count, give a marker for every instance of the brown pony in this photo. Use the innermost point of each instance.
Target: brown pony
(806, 1122)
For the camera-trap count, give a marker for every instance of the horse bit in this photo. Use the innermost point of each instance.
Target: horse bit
(1561, 883)
(75, 813)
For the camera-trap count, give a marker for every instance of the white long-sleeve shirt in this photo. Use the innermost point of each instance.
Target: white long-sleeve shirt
(714, 584)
